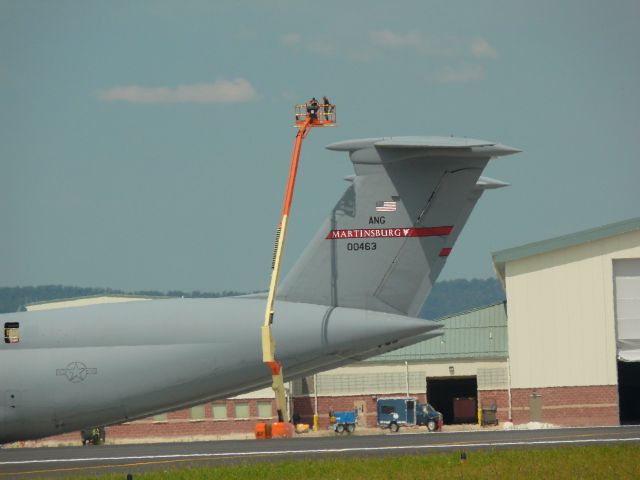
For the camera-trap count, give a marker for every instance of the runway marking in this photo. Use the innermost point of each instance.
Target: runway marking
(581, 435)
(149, 459)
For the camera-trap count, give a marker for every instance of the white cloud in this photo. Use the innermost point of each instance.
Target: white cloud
(411, 40)
(314, 45)
(222, 91)
(323, 46)
(364, 47)
(459, 74)
(357, 47)
(291, 38)
(480, 48)
(389, 39)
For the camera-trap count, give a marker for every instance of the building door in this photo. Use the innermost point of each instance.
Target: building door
(629, 392)
(361, 407)
(626, 284)
(460, 392)
(535, 407)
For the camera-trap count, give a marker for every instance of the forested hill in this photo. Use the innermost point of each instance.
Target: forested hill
(454, 296)
(446, 298)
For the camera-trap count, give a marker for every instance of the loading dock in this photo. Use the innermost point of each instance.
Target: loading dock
(455, 397)
(629, 392)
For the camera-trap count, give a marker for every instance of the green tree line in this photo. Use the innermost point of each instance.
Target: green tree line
(447, 297)
(14, 299)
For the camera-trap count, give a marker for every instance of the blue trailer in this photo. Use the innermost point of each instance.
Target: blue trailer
(344, 421)
(398, 411)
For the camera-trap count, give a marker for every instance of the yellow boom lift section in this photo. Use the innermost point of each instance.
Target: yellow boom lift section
(307, 116)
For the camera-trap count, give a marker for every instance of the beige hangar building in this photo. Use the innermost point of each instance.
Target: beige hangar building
(573, 307)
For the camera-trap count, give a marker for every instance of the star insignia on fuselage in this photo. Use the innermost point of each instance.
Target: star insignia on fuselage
(76, 372)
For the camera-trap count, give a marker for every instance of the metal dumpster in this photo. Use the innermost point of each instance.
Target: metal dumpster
(490, 415)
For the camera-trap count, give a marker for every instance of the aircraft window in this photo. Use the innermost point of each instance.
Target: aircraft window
(11, 332)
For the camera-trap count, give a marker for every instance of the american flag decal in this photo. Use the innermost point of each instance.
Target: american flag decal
(385, 206)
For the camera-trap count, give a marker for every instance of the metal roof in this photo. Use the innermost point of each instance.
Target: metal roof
(480, 333)
(501, 257)
(97, 295)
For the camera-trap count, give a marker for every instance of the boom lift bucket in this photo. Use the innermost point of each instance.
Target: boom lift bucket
(325, 116)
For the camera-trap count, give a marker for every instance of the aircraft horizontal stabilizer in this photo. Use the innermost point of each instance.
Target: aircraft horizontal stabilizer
(393, 149)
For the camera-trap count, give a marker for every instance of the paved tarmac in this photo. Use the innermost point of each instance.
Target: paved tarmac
(75, 461)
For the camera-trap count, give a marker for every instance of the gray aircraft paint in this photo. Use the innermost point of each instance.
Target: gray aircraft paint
(434, 183)
(103, 364)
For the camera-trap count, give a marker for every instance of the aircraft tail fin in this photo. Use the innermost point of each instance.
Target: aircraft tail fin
(388, 237)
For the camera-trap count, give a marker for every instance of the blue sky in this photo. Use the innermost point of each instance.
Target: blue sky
(145, 145)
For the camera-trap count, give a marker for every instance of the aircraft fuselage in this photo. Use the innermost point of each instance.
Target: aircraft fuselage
(104, 364)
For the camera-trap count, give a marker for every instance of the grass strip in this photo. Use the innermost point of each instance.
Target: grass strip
(588, 462)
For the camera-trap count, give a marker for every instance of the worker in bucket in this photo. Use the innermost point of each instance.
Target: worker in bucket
(312, 109)
(326, 107)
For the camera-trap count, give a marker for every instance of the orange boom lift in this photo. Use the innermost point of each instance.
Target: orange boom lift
(306, 118)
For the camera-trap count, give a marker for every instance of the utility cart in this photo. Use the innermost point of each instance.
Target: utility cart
(344, 421)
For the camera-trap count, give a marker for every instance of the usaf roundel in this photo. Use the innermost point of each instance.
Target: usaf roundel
(76, 372)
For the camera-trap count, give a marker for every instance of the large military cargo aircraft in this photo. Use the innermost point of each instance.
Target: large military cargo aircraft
(354, 293)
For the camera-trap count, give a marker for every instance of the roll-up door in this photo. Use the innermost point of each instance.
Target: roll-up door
(626, 278)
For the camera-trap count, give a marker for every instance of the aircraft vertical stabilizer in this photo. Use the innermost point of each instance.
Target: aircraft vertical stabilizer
(388, 237)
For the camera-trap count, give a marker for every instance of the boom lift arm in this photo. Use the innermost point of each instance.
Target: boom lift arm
(304, 122)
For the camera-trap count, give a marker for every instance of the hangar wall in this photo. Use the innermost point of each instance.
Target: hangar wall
(366, 378)
(561, 314)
